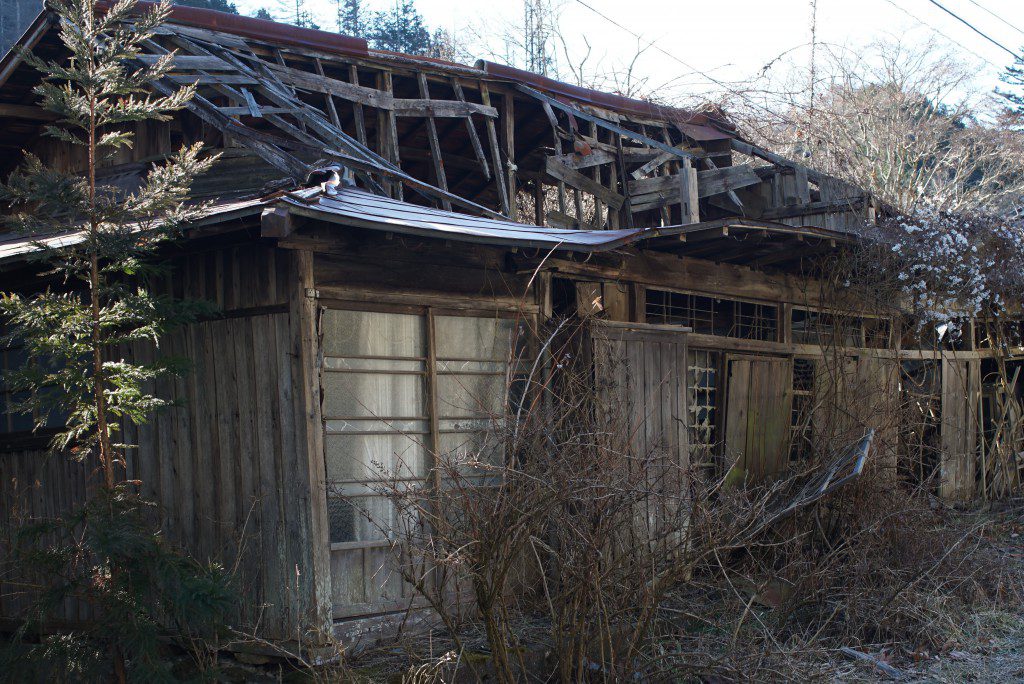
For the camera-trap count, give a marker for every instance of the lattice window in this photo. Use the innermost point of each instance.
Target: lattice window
(803, 402)
(754, 321)
(710, 316)
(379, 406)
(825, 329)
(680, 308)
(702, 390)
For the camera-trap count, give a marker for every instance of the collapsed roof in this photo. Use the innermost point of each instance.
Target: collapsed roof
(486, 141)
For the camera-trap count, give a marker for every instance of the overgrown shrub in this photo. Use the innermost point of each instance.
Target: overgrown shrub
(148, 604)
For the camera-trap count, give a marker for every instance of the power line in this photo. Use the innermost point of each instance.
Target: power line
(988, 11)
(944, 35)
(673, 57)
(973, 28)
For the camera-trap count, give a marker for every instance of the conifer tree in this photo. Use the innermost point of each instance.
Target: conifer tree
(99, 245)
(101, 302)
(1013, 76)
(400, 29)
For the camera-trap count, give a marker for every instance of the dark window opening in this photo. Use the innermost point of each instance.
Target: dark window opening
(921, 422)
(711, 316)
(827, 329)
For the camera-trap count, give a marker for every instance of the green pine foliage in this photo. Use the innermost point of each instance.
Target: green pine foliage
(400, 29)
(98, 301)
(1013, 76)
(144, 590)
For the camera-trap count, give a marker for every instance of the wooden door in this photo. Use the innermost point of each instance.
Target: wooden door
(759, 400)
(961, 388)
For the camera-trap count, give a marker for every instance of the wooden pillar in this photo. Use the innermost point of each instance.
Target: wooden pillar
(689, 202)
(496, 163)
(440, 177)
(303, 315)
(387, 134)
(509, 135)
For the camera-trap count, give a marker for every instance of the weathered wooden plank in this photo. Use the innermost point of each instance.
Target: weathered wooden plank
(959, 430)
(273, 569)
(709, 183)
(577, 180)
(191, 62)
(474, 138)
(440, 108)
(212, 79)
(577, 162)
(440, 177)
(371, 97)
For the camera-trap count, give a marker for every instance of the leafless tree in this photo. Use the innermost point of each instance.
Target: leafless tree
(908, 123)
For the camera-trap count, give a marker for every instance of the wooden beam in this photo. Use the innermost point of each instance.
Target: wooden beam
(440, 108)
(474, 139)
(553, 120)
(624, 132)
(357, 107)
(435, 145)
(830, 207)
(332, 111)
(509, 136)
(277, 222)
(496, 163)
(578, 181)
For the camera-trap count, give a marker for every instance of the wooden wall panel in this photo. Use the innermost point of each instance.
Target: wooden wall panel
(961, 389)
(228, 466)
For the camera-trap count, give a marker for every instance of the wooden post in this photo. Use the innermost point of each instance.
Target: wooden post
(357, 107)
(303, 317)
(599, 220)
(440, 177)
(496, 163)
(509, 134)
(689, 202)
(387, 133)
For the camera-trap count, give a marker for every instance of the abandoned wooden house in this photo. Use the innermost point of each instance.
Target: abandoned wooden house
(369, 322)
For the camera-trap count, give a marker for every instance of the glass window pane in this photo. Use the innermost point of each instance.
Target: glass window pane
(372, 457)
(366, 333)
(464, 337)
(465, 448)
(365, 518)
(373, 395)
(468, 395)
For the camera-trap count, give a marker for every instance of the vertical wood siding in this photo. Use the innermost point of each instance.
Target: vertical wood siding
(227, 466)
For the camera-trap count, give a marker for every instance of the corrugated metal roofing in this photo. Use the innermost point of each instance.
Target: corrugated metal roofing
(355, 207)
(17, 246)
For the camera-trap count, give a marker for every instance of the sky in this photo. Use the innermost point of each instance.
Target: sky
(701, 46)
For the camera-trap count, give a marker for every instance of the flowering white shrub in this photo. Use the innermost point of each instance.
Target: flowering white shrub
(953, 267)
